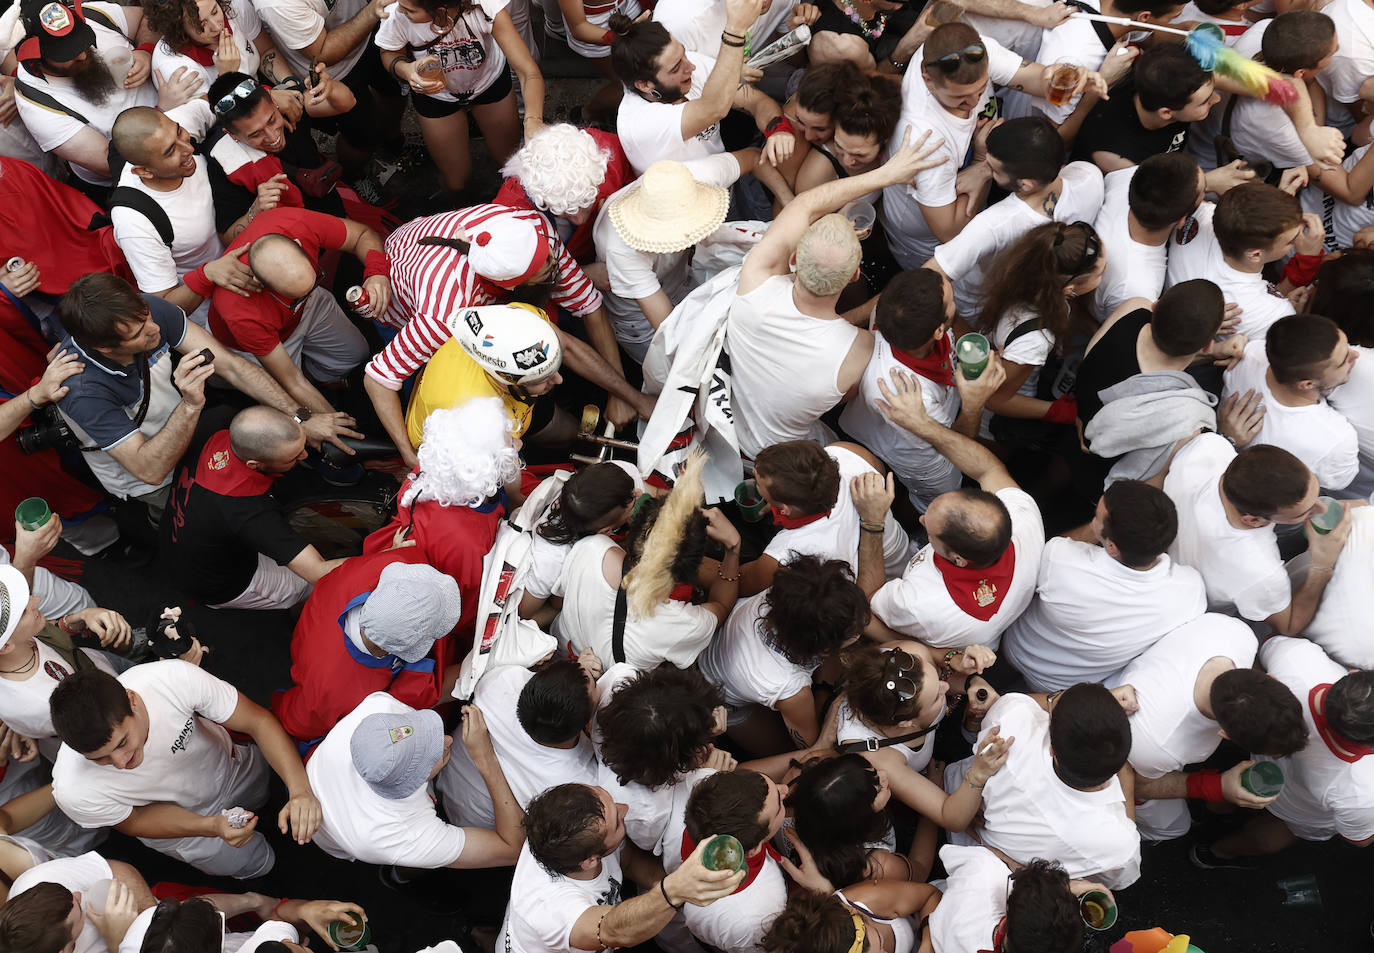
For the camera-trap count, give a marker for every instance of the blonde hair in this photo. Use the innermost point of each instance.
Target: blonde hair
(650, 582)
(828, 254)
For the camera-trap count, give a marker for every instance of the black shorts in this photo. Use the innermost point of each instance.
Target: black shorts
(432, 108)
(362, 125)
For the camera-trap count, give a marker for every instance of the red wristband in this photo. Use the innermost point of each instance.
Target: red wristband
(197, 282)
(608, 37)
(1302, 269)
(778, 123)
(1206, 785)
(147, 48)
(376, 263)
(1062, 411)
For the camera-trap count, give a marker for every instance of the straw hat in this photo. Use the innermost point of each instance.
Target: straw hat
(668, 210)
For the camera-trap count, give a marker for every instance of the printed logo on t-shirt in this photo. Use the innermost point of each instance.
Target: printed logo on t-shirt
(1179, 138)
(1269, 287)
(709, 133)
(55, 671)
(1186, 232)
(399, 733)
(219, 460)
(612, 895)
(187, 730)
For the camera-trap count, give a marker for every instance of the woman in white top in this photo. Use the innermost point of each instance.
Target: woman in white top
(453, 58)
(878, 916)
(838, 806)
(654, 582)
(1035, 301)
(196, 925)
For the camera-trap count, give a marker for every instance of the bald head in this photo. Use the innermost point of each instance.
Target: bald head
(970, 523)
(134, 130)
(280, 264)
(263, 434)
(828, 255)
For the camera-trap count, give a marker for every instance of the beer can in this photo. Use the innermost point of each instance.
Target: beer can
(15, 263)
(358, 300)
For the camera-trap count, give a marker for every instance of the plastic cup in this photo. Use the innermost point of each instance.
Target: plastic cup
(724, 852)
(1098, 910)
(972, 352)
(1323, 522)
(861, 215)
(1262, 779)
(351, 934)
(32, 513)
(94, 899)
(1062, 82)
(752, 505)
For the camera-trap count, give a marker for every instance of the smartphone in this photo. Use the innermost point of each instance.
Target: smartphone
(311, 76)
(207, 356)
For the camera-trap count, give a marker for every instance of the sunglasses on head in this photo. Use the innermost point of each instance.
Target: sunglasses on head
(239, 93)
(1092, 248)
(895, 668)
(973, 53)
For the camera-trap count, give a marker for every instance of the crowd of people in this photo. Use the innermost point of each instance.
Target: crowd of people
(871, 320)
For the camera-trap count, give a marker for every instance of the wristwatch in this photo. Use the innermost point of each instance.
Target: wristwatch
(302, 415)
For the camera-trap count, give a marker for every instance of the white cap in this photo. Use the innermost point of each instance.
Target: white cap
(14, 599)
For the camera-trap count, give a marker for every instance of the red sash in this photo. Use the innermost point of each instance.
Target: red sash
(795, 522)
(753, 862)
(204, 55)
(978, 592)
(1347, 751)
(935, 366)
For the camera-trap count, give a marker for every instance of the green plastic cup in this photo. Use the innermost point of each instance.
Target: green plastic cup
(723, 852)
(1098, 910)
(351, 934)
(1330, 517)
(33, 513)
(752, 505)
(1262, 779)
(971, 351)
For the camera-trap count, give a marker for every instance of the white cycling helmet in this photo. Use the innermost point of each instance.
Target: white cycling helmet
(514, 343)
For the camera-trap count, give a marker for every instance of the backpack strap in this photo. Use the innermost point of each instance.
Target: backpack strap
(103, 18)
(35, 95)
(1020, 331)
(873, 744)
(618, 621)
(1104, 32)
(125, 196)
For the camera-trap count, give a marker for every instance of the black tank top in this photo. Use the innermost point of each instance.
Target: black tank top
(835, 20)
(1111, 361)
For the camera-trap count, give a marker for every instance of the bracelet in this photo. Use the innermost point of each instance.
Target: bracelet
(1206, 785)
(976, 787)
(1312, 569)
(899, 66)
(949, 669)
(392, 68)
(779, 123)
(30, 400)
(725, 578)
(608, 37)
(62, 623)
(735, 36)
(664, 890)
(868, 527)
(600, 944)
(735, 43)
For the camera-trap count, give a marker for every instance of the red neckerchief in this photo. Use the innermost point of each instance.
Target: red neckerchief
(204, 55)
(220, 471)
(999, 936)
(682, 592)
(1347, 751)
(795, 522)
(935, 366)
(753, 862)
(978, 592)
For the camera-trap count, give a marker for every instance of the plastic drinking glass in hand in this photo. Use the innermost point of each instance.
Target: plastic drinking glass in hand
(1329, 518)
(1098, 910)
(1062, 83)
(32, 513)
(972, 352)
(723, 852)
(751, 503)
(1262, 779)
(862, 216)
(350, 934)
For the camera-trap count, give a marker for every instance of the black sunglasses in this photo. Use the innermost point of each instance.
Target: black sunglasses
(240, 92)
(973, 53)
(1092, 248)
(895, 668)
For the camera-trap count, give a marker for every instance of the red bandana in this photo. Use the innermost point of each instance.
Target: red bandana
(682, 592)
(204, 55)
(935, 366)
(1347, 751)
(796, 522)
(978, 592)
(999, 936)
(220, 470)
(753, 862)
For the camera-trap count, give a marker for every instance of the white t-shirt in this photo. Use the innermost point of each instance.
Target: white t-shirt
(635, 274)
(1195, 253)
(24, 705)
(77, 874)
(746, 669)
(697, 25)
(186, 759)
(784, 365)
(544, 907)
(652, 131)
(1347, 219)
(737, 922)
(966, 259)
(233, 942)
(1317, 434)
(1031, 813)
(295, 24)
(924, 470)
(468, 54)
(974, 900)
(1168, 731)
(850, 728)
(529, 767)
(360, 824)
(1322, 795)
(1341, 623)
(1091, 614)
(1240, 567)
(1355, 400)
(837, 536)
(50, 128)
(190, 208)
(919, 605)
(1133, 270)
(1073, 41)
(908, 235)
(1030, 348)
(1353, 62)
(676, 632)
(246, 26)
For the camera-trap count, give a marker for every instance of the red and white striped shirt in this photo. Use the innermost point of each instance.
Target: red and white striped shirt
(430, 282)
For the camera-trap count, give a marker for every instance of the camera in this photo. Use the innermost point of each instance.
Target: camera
(48, 430)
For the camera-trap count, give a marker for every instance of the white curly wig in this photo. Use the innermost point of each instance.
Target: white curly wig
(561, 168)
(466, 455)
